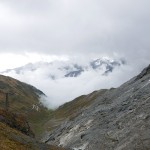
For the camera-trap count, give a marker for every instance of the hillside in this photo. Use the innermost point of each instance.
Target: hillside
(70, 110)
(15, 134)
(116, 119)
(23, 98)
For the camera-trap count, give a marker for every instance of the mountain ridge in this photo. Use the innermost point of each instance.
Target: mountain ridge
(23, 99)
(70, 69)
(118, 119)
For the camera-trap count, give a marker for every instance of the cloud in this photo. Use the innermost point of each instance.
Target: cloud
(75, 27)
(63, 89)
(10, 60)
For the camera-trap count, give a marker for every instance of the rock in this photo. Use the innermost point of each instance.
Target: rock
(119, 119)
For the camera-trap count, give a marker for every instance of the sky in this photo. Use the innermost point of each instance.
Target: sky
(48, 30)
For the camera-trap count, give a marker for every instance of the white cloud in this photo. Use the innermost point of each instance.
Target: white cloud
(64, 89)
(35, 30)
(71, 27)
(10, 60)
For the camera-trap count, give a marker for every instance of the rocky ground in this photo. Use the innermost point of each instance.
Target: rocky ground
(119, 119)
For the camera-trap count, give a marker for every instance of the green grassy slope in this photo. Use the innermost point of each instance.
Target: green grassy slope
(22, 98)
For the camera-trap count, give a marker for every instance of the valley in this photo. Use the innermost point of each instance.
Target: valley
(109, 119)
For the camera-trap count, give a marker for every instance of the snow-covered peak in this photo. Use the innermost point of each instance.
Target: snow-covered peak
(61, 69)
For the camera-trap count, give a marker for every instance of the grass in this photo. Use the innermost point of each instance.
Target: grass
(6, 140)
(12, 135)
(25, 96)
(37, 121)
(11, 139)
(22, 99)
(71, 109)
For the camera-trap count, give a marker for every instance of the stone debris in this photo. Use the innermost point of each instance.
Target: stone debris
(117, 120)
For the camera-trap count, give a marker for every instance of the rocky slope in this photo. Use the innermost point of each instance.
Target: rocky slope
(117, 119)
(70, 110)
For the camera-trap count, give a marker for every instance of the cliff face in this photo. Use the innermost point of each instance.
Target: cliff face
(118, 119)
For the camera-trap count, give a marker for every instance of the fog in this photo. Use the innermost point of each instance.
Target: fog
(62, 89)
(48, 30)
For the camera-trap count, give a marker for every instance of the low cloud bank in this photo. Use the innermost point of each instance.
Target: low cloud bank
(63, 89)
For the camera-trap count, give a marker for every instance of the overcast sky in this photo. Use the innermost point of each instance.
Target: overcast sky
(35, 30)
(68, 27)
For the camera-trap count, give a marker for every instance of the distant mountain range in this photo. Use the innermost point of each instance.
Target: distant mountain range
(61, 69)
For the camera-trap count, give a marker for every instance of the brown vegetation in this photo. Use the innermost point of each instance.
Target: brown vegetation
(13, 134)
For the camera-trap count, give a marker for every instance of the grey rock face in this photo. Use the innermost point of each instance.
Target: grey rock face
(117, 120)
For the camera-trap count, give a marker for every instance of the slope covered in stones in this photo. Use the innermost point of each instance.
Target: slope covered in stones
(118, 119)
(70, 110)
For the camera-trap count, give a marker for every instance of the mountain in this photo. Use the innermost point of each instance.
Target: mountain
(113, 119)
(23, 99)
(61, 69)
(108, 64)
